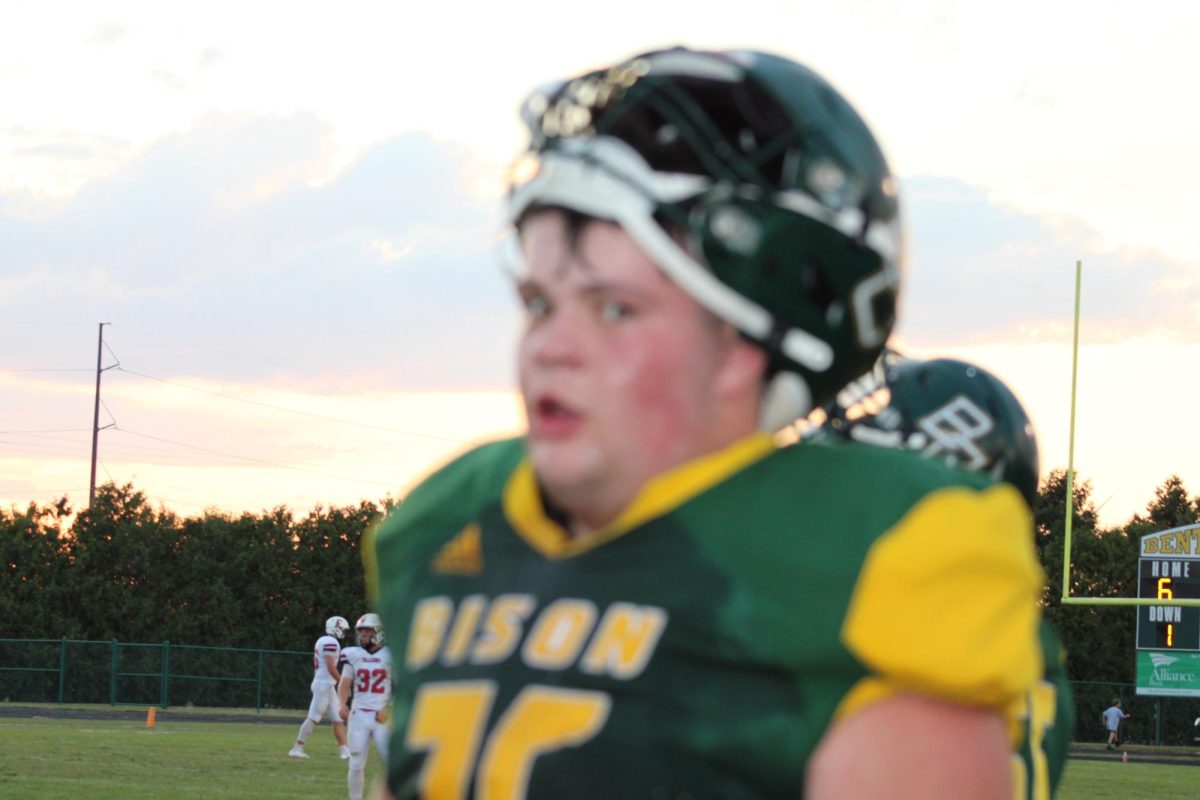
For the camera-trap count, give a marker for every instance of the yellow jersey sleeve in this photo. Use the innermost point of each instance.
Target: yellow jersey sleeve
(946, 603)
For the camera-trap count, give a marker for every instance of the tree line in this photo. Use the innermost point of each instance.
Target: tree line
(126, 570)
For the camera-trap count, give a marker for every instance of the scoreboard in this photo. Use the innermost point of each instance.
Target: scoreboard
(1169, 569)
(1168, 627)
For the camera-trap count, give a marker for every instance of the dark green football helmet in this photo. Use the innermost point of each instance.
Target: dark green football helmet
(955, 411)
(752, 183)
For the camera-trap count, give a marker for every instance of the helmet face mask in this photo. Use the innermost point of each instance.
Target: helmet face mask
(369, 630)
(337, 627)
(750, 182)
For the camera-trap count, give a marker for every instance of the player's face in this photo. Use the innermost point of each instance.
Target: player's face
(617, 366)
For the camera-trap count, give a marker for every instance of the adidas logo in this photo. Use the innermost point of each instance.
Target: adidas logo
(462, 555)
(1161, 660)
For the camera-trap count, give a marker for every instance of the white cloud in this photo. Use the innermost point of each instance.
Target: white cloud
(985, 271)
(239, 232)
(107, 33)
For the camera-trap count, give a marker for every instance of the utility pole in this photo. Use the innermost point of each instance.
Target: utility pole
(96, 415)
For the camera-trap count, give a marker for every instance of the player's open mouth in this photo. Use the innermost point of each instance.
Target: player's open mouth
(552, 418)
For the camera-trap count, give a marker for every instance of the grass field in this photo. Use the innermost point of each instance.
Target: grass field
(121, 759)
(1102, 780)
(42, 758)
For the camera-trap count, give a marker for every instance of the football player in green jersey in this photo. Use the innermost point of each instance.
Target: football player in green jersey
(644, 597)
(961, 413)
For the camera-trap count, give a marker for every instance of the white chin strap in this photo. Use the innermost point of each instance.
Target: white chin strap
(786, 399)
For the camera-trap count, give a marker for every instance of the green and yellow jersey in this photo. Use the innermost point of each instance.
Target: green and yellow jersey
(1045, 719)
(702, 644)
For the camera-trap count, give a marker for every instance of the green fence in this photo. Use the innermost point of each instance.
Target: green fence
(162, 674)
(165, 674)
(1153, 720)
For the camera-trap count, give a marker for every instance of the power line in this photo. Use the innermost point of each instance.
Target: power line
(8, 476)
(38, 447)
(292, 410)
(128, 453)
(165, 500)
(265, 497)
(143, 453)
(227, 396)
(253, 460)
(137, 450)
(158, 337)
(53, 492)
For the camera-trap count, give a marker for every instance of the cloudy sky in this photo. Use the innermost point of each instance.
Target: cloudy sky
(288, 214)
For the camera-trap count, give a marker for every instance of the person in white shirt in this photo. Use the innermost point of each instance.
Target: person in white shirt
(1114, 715)
(367, 669)
(327, 651)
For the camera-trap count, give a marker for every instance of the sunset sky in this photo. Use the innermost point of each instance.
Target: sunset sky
(288, 212)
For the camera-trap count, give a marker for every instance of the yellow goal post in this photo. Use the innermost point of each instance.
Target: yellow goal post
(1066, 598)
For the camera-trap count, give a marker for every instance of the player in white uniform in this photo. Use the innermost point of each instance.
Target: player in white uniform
(367, 669)
(326, 654)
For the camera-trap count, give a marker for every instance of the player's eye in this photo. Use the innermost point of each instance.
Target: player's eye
(536, 306)
(615, 311)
